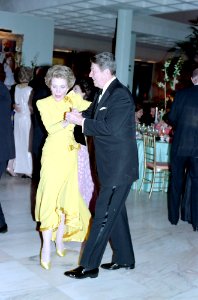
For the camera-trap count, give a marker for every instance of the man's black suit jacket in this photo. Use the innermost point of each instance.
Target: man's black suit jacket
(7, 147)
(184, 119)
(112, 125)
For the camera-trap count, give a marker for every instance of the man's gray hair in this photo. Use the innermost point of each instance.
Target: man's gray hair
(105, 60)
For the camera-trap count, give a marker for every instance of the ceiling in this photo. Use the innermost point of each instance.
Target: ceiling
(98, 17)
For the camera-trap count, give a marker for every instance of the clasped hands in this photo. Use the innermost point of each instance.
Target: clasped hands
(74, 117)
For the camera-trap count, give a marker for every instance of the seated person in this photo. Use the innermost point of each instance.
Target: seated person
(138, 113)
(148, 114)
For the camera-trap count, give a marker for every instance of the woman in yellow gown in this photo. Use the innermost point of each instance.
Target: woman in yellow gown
(60, 209)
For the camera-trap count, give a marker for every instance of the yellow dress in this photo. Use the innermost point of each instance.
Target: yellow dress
(58, 187)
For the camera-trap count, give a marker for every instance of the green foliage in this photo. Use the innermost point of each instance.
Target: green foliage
(171, 70)
(171, 73)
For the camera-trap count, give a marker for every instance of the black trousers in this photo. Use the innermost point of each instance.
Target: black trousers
(110, 223)
(179, 166)
(3, 165)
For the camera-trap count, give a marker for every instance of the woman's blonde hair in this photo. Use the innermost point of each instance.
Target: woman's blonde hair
(25, 74)
(59, 71)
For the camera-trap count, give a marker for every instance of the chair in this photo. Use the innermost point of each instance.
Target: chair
(154, 172)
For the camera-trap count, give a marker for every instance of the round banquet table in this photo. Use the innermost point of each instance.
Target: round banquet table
(162, 153)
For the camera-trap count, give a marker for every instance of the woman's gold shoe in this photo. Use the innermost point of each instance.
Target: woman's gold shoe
(45, 265)
(61, 253)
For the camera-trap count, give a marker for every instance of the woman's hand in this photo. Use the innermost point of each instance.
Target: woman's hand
(17, 108)
(74, 117)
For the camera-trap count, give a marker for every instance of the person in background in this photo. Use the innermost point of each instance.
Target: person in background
(86, 173)
(60, 209)
(22, 164)
(148, 117)
(111, 121)
(166, 114)
(9, 67)
(40, 91)
(7, 148)
(183, 116)
(152, 111)
(138, 113)
(86, 87)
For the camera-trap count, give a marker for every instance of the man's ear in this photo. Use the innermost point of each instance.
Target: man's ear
(107, 73)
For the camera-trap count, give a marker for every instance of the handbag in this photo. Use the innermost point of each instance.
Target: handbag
(79, 135)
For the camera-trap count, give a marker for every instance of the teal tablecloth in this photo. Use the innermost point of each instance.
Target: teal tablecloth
(163, 155)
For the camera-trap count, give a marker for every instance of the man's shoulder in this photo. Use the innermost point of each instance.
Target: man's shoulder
(117, 85)
(186, 90)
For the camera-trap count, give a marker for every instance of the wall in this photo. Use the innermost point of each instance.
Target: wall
(40, 39)
(38, 36)
(68, 41)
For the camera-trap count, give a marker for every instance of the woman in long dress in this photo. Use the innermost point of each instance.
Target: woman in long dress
(22, 123)
(86, 173)
(60, 208)
(22, 164)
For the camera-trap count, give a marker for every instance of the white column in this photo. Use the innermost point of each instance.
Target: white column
(125, 48)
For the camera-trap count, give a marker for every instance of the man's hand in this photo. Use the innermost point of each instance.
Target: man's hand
(74, 117)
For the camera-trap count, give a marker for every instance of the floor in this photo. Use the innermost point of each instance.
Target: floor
(166, 255)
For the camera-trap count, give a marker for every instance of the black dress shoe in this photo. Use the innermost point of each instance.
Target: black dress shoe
(114, 266)
(4, 228)
(81, 273)
(195, 228)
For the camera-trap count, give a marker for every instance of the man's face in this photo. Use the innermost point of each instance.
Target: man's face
(99, 77)
(139, 113)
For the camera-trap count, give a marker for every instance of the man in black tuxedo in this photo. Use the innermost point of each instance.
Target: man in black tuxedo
(183, 116)
(111, 122)
(7, 148)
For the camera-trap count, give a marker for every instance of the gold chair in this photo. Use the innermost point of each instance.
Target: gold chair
(154, 172)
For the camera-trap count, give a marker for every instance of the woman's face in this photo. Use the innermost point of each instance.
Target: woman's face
(139, 113)
(8, 60)
(59, 88)
(78, 90)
